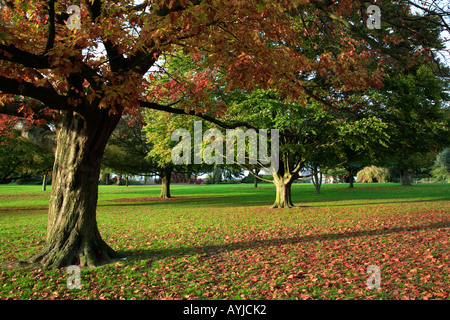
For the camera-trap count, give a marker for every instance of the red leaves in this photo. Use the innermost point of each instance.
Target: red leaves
(299, 275)
(7, 123)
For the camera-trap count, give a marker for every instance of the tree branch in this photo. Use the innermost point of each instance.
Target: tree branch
(13, 109)
(256, 175)
(42, 137)
(48, 96)
(12, 54)
(170, 109)
(51, 26)
(116, 60)
(178, 6)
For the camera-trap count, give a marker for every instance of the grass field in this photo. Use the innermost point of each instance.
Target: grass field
(222, 242)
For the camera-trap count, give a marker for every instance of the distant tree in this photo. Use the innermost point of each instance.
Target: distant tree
(158, 129)
(254, 172)
(127, 150)
(20, 159)
(319, 161)
(413, 103)
(232, 172)
(441, 168)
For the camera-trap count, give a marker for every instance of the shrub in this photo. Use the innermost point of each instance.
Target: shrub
(373, 174)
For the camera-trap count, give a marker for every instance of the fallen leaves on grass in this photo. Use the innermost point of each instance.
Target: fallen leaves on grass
(254, 253)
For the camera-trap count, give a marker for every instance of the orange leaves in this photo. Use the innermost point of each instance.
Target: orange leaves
(282, 45)
(173, 16)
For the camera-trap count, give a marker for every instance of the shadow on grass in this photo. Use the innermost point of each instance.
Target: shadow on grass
(211, 250)
(22, 209)
(144, 201)
(236, 202)
(361, 202)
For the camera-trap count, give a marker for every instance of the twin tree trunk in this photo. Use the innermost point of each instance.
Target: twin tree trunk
(283, 179)
(72, 233)
(317, 180)
(283, 186)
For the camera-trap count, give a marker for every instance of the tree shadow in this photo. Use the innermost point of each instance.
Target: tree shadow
(363, 203)
(22, 209)
(236, 202)
(211, 250)
(144, 201)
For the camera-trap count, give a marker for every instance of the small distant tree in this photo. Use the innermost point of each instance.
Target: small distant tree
(20, 159)
(126, 151)
(322, 158)
(441, 169)
(158, 129)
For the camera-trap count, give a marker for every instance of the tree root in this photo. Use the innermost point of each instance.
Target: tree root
(86, 254)
(279, 206)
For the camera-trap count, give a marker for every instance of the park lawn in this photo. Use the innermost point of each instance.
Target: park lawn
(222, 242)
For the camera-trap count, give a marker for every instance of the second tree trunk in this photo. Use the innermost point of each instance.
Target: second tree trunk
(166, 176)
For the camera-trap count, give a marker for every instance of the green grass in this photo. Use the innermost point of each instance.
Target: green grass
(222, 242)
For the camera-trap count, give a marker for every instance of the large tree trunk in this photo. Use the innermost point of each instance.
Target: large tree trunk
(72, 233)
(166, 176)
(283, 197)
(283, 178)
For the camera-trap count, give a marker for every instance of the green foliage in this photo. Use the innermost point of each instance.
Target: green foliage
(441, 169)
(127, 149)
(373, 174)
(19, 159)
(413, 103)
(36, 180)
(158, 129)
(160, 125)
(336, 172)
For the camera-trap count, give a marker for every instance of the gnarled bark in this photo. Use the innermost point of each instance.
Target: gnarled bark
(285, 174)
(72, 233)
(283, 185)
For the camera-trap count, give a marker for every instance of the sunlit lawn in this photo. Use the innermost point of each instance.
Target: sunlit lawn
(222, 242)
